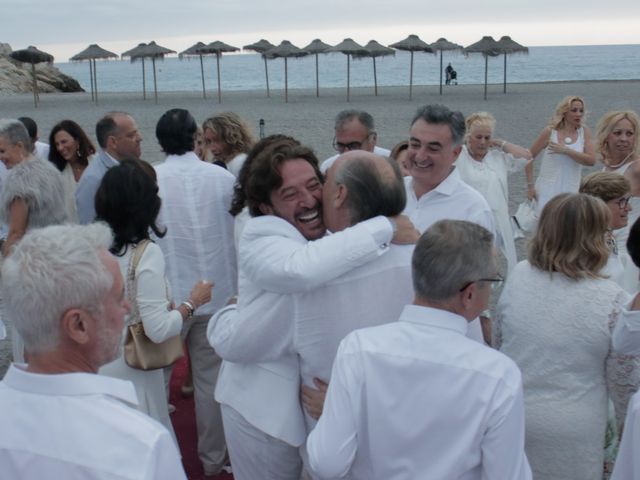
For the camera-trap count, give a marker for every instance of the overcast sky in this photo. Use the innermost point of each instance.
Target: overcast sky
(65, 27)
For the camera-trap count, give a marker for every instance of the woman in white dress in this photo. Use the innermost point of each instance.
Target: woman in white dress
(567, 146)
(558, 331)
(229, 139)
(485, 163)
(70, 152)
(128, 201)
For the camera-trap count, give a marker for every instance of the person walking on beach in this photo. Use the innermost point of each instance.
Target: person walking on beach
(448, 74)
(354, 130)
(415, 398)
(198, 246)
(119, 138)
(63, 291)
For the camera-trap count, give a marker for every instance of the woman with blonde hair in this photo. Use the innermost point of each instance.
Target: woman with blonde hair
(485, 163)
(229, 139)
(553, 320)
(567, 146)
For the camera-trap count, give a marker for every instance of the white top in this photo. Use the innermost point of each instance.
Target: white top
(42, 150)
(77, 425)
(626, 333)
(70, 192)
(558, 332)
(416, 399)
(559, 173)
(196, 197)
(325, 165)
(159, 324)
(235, 164)
(490, 178)
(275, 257)
(627, 466)
(452, 199)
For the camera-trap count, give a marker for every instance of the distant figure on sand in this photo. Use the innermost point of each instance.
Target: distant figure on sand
(354, 130)
(567, 146)
(451, 76)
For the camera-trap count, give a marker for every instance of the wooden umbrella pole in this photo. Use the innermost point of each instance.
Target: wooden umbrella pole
(95, 79)
(218, 68)
(286, 82)
(504, 87)
(411, 78)
(155, 85)
(348, 76)
(144, 82)
(266, 75)
(375, 77)
(204, 91)
(35, 85)
(486, 69)
(440, 72)
(91, 79)
(317, 78)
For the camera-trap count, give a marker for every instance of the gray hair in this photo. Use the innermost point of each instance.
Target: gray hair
(345, 116)
(450, 254)
(369, 193)
(15, 132)
(49, 271)
(107, 127)
(441, 115)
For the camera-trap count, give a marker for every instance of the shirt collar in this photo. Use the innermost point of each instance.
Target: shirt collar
(108, 160)
(185, 157)
(68, 384)
(434, 317)
(446, 187)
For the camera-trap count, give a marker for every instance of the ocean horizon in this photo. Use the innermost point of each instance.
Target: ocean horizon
(246, 71)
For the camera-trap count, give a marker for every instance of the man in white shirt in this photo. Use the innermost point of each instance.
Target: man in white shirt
(40, 149)
(64, 292)
(119, 139)
(198, 245)
(418, 399)
(354, 130)
(264, 423)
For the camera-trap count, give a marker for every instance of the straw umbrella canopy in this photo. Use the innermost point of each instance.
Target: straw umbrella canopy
(192, 51)
(218, 48)
(91, 53)
(316, 47)
(32, 55)
(441, 45)
(412, 44)
(509, 46)
(262, 46)
(151, 50)
(488, 47)
(285, 50)
(349, 47)
(374, 49)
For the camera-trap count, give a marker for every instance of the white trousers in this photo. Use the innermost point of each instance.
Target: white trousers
(256, 455)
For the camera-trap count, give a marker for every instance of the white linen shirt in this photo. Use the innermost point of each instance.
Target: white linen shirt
(196, 197)
(452, 199)
(416, 399)
(76, 425)
(627, 466)
(625, 338)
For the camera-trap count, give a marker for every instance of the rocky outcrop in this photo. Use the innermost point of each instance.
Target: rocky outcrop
(15, 77)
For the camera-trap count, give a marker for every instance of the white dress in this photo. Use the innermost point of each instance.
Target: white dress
(489, 177)
(70, 193)
(159, 324)
(559, 173)
(558, 331)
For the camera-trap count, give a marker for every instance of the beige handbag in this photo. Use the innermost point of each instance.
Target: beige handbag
(139, 351)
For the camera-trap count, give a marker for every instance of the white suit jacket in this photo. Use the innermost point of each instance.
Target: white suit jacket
(275, 257)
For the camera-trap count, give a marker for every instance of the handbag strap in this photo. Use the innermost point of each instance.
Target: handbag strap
(132, 290)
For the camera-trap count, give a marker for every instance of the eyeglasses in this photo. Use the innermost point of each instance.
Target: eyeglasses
(342, 147)
(494, 281)
(622, 202)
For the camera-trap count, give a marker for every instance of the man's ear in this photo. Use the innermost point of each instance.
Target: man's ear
(265, 209)
(340, 198)
(77, 325)
(468, 295)
(456, 152)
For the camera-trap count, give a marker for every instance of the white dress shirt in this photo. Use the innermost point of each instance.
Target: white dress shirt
(627, 466)
(77, 425)
(416, 399)
(325, 165)
(626, 333)
(275, 257)
(196, 197)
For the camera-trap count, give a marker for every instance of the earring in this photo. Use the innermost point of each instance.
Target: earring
(78, 154)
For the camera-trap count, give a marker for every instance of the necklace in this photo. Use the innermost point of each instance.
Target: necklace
(619, 164)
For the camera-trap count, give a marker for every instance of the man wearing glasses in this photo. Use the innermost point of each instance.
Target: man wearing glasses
(417, 398)
(355, 130)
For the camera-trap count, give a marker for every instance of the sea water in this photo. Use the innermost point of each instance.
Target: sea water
(247, 71)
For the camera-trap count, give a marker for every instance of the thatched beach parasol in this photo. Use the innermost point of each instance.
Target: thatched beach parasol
(441, 45)
(285, 50)
(488, 47)
(192, 51)
(374, 49)
(412, 44)
(91, 53)
(508, 47)
(218, 48)
(314, 48)
(260, 47)
(349, 47)
(152, 51)
(32, 55)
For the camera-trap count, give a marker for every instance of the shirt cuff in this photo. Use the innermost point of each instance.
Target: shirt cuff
(381, 229)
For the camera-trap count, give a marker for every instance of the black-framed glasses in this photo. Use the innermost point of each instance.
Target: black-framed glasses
(622, 202)
(342, 147)
(497, 280)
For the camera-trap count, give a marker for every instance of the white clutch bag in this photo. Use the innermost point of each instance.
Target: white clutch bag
(525, 219)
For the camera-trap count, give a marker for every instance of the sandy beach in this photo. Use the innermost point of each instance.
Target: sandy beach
(520, 114)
